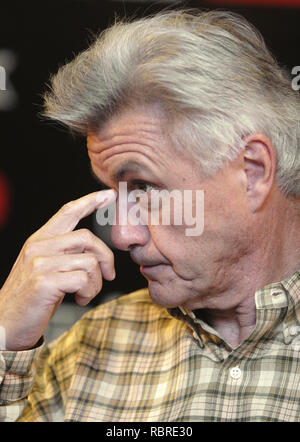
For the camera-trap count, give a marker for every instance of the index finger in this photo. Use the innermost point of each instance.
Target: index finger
(67, 218)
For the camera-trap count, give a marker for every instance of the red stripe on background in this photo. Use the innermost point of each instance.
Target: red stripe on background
(282, 3)
(5, 200)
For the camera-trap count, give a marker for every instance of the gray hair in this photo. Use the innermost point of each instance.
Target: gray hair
(210, 71)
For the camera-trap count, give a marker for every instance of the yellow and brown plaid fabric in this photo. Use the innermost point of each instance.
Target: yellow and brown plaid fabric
(130, 360)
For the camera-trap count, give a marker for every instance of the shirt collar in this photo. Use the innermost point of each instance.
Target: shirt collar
(278, 295)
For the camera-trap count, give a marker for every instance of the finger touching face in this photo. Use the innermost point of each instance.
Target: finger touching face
(67, 218)
(134, 148)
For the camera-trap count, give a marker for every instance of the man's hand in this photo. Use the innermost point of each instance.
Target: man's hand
(54, 261)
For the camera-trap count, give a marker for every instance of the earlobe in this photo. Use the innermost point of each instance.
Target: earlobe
(259, 168)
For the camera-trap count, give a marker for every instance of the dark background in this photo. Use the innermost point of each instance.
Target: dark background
(43, 166)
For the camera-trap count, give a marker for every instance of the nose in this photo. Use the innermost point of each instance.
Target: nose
(125, 234)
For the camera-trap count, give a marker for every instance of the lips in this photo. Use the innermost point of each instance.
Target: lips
(144, 262)
(153, 271)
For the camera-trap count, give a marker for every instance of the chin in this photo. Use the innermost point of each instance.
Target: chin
(162, 296)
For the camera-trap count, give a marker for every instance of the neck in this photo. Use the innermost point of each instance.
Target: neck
(275, 258)
(233, 325)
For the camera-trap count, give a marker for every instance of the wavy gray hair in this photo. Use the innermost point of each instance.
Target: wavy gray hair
(210, 71)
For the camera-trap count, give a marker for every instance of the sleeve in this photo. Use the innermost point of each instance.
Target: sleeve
(34, 384)
(53, 371)
(30, 390)
(17, 374)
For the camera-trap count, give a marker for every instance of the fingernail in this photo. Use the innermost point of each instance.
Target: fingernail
(106, 195)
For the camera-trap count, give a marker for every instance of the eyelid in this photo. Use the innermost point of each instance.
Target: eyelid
(138, 184)
(132, 185)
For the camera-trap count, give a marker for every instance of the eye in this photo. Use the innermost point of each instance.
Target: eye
(144, 192)
(141, 185)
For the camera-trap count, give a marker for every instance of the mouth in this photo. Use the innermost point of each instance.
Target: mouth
(154, 271)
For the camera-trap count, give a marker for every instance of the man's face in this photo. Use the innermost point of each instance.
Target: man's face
(190, 271)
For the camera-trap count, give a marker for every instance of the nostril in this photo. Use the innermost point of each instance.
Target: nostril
(132, 246)
(127, 237)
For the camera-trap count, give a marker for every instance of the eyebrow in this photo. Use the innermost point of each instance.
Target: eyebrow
(126, 168)
(121, 172)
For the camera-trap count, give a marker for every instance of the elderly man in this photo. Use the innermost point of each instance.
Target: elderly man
(178, 101)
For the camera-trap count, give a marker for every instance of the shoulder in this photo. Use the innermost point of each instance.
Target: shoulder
(137, 305)
(135, 310)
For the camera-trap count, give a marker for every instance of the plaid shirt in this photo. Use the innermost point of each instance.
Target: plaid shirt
(130, 360)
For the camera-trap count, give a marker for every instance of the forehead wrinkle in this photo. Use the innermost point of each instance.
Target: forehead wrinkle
(147, 152)
(118, 127)
(131, 128)
(143, 137)
(104, 143)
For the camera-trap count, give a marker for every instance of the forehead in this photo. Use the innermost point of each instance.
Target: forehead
(148, 123)
(136, 144)
(132, 141)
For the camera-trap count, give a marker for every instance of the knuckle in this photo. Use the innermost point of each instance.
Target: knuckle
(41, 282)
(29, 249)
(93, 261)
(83, 278)
(111, 256)
(37, 263)
(67, 207)
(98, 288)
(86, 235)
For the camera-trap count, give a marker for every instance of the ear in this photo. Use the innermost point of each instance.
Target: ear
(259, 167)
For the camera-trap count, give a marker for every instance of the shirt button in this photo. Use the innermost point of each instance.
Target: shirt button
(294, 330)
(235, 372)
(296, 343)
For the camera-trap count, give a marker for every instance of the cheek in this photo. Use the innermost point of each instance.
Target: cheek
(180, 251)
